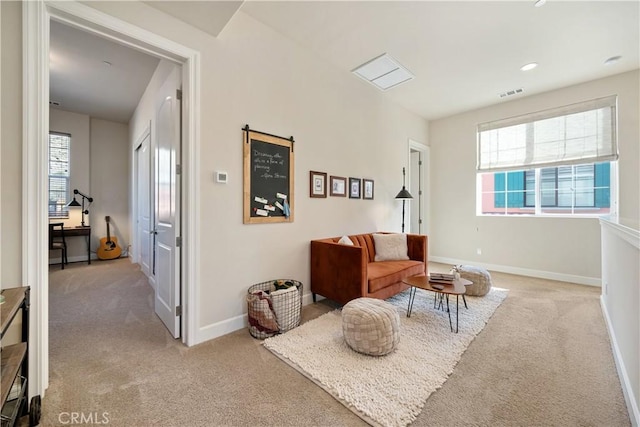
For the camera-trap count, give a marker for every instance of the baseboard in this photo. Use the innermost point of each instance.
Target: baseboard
(627, 390)
(82, 258)
(221, 328)
(541, 274)
(232, 324)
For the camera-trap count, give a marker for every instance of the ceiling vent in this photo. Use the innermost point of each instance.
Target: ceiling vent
(383, 72)
(511, 92)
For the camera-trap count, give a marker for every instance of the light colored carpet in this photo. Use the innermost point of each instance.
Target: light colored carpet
(389, 390)
(544, 359)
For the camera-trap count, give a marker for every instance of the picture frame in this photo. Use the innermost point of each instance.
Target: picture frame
(354, 188)
(367, 189)
(317, 184)
(338, 186)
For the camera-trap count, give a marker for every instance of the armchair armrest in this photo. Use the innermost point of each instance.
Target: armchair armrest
(338, 272)
(417, 248)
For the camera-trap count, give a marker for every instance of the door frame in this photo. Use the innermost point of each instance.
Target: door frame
(424, 198)
(35, 31)
(136, 234)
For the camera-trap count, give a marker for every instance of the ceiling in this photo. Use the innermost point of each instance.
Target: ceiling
(463, 54)
(80, 81)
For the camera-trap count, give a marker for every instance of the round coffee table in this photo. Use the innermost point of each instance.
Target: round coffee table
(456, 288)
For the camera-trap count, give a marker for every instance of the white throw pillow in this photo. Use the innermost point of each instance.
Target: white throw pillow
(390, 247)
(345, 240)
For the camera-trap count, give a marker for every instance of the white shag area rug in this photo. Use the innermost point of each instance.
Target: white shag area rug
(388, 390)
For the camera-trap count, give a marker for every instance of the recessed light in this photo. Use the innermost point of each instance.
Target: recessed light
(612, 60)
(529, 66)
(539, 3)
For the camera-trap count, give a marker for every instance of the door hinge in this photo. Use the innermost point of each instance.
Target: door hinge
(178, 241)
(419, 162)
(178, 310)
(420, 221)
(420, 193)
(178, 169)
(178, 94)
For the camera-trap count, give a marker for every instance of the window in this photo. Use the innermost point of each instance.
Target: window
(559, 161)
(575, 189)
(59, 148)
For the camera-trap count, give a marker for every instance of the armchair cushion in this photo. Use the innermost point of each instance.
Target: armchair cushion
(384, 273)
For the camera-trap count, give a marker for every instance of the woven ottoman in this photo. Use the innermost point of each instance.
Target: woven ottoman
(479, 276)
(371, 326)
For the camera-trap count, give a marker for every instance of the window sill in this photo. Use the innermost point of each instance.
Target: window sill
(544, 215)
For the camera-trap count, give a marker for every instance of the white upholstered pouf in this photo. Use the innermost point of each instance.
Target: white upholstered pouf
(371, 326)
(479, 276)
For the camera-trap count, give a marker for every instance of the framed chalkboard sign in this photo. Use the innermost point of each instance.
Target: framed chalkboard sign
(268, 178)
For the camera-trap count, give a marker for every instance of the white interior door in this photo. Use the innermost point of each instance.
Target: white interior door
(167, 203)
(143, 201)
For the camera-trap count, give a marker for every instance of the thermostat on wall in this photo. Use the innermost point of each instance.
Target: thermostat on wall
(221, 177)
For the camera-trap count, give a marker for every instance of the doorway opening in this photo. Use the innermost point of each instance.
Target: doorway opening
(37, 17)
(418, 187)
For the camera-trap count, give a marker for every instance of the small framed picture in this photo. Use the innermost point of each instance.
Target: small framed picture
(317, 184)
(338, 186)
(367, 190)
(354, 188)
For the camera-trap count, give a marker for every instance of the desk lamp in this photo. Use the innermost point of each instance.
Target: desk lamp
(74, 203)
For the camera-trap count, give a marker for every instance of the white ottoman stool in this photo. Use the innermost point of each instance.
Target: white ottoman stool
(371, 326)
(479, 276)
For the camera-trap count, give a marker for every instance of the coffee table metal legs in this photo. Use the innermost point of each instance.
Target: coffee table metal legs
(412, 296)
(441, 295)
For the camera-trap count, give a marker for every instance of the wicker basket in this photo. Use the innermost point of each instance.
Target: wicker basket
(274, 307)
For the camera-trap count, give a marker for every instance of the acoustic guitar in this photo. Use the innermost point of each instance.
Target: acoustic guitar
(109, 248)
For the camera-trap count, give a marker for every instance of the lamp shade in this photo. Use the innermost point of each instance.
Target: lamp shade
(404, 194)
(74, 203)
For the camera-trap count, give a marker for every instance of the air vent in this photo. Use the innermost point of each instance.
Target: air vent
(511, 92)
(383, 72)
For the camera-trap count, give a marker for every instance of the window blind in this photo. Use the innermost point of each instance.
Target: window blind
(574, 134)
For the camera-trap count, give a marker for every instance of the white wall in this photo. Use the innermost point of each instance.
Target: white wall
(142, 120)
(558, 248)
(620, 301)
(144, 112)
(342, 126)
(99, 168)
(11, 144)
(110, 158)
(78, 126)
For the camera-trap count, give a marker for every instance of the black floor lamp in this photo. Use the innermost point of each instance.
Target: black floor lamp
(74, 202)
(403, 195)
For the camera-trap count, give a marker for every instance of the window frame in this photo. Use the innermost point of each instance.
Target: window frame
(63, 213)
(538, 210)
(568, 136)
